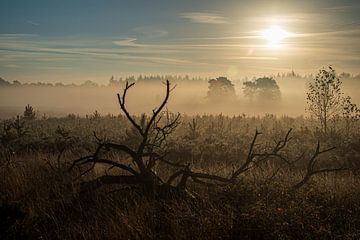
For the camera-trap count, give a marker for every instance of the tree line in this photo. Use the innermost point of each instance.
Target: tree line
(121, 81)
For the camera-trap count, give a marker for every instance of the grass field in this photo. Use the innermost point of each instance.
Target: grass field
(41, 196)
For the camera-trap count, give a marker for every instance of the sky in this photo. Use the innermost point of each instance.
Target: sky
(78, 40)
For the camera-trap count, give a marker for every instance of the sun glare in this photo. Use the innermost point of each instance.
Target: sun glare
(274, 36)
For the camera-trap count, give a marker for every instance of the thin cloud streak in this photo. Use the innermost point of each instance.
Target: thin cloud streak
(106, 55)
(8, 36)
(348, 32)
(223, 38)
(342, 8)
(32, 23)
(205, 17)
(253, 58)
(150, 32)
(128, 42)
(288, 18)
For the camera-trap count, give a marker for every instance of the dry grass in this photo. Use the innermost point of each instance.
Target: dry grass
(40, 197)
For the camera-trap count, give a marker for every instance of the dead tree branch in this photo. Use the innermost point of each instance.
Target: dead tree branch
(311, 167)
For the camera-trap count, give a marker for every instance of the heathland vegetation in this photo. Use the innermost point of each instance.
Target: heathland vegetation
(162, 174)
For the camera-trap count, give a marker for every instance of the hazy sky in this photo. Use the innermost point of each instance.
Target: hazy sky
(77, 40)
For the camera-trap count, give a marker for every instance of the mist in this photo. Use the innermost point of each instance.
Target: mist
(188, 97)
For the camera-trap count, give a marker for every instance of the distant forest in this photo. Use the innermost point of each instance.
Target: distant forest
(119, 81)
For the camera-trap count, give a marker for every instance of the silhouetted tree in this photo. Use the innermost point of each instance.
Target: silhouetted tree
(115, 83)
(249, 89)
(324, 97)
(29, 112)
(16, 83)
(263, 88)
(112, 81)
(89, 83)
(221, 89)
(351, 113)
(3, 82)
(59, 84)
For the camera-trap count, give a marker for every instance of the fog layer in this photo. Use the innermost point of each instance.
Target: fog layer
(190, 97)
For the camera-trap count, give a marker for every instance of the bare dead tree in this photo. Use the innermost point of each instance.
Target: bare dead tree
(311, 169)
(145, 156)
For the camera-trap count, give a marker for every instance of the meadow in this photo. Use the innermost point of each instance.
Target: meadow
(42, 194)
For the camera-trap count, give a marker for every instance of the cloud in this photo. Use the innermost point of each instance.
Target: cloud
(4, 36)
(128, 42)
(34, 50)
(32, 23)
(12, 66)
(253, 36)
(350, 33)
(205, 17)
(342, 8)
(253, 58)
(287, 18)
(150, 32)
(28, 51)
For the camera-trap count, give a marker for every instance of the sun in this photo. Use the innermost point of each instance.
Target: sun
(274, 36)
